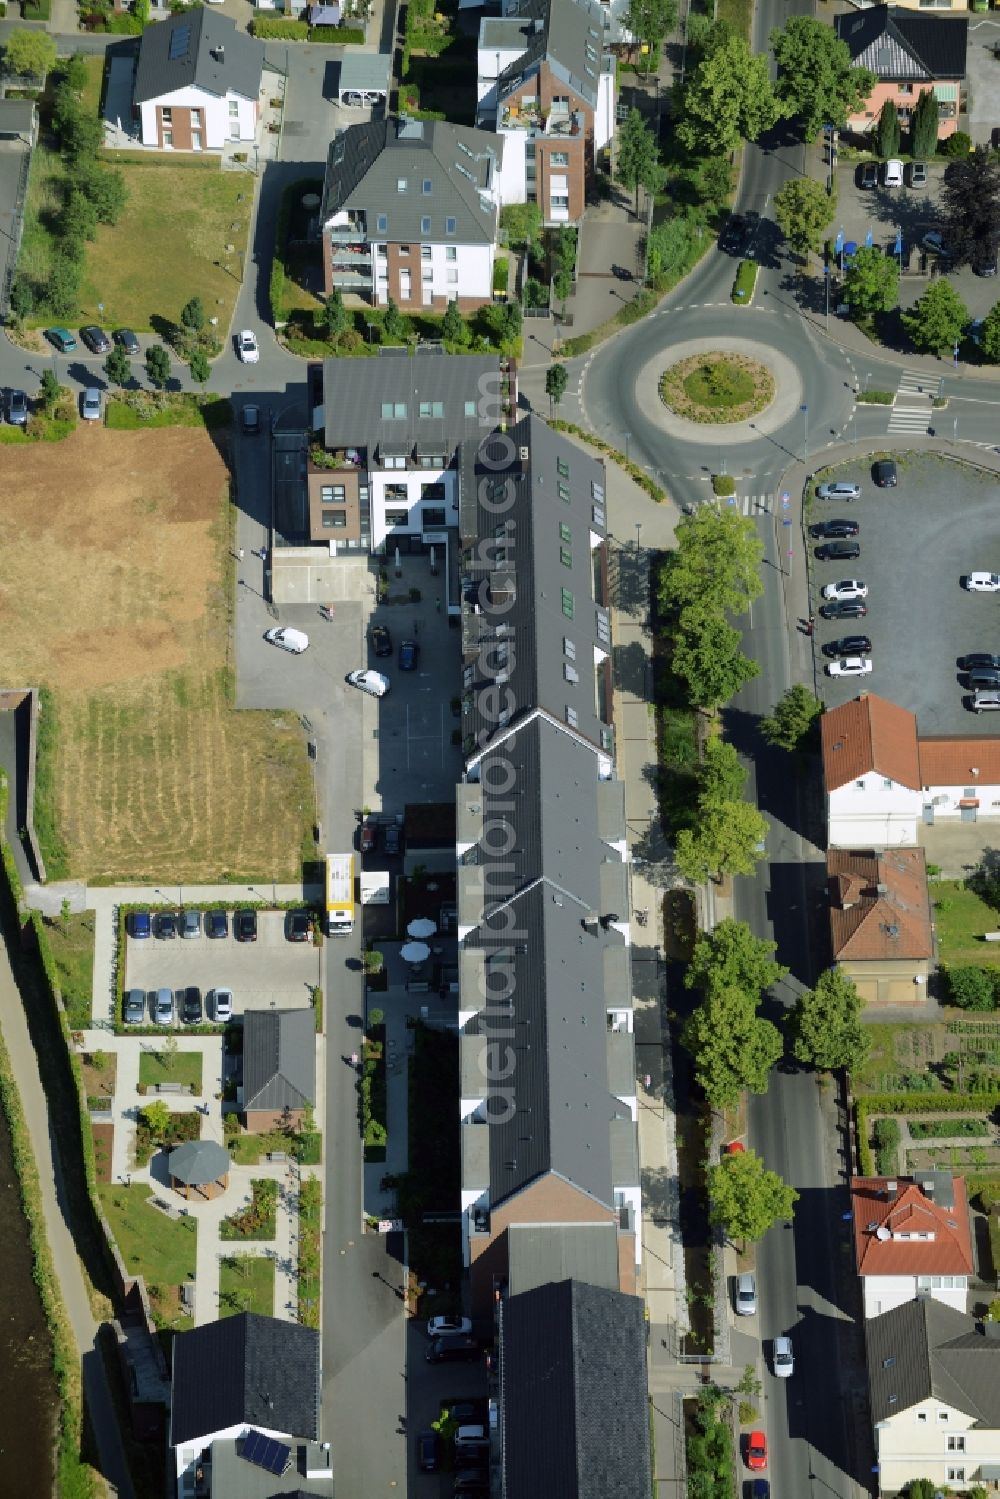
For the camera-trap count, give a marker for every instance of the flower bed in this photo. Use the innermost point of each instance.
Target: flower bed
(258, 1220)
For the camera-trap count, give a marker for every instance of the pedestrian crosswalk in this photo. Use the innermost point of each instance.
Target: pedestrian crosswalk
(914, 402)
(752, 504)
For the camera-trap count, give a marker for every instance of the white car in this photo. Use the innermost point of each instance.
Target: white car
(437, 1326)
(850, 666)
(289, 640)
(893, 176)
(983, 582)
(369, 681)
(246, 346)
(842, 490)
(784, 1360)
(220, 1004)
(847, 588)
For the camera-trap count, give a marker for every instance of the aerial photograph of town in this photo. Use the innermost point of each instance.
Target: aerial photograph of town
(499, 796)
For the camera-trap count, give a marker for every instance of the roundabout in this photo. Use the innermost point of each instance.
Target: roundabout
(717, 388)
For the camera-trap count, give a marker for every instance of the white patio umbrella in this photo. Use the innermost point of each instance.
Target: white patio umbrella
(414, 952)
(421, 926)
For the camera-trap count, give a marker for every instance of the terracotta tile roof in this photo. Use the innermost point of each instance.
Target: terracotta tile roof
(867, 922)
(947, 761)
(910, 1210)
(869, 733)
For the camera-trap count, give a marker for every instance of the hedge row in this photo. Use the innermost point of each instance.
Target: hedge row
(915, 1103)
(284, 29)
(632, 469)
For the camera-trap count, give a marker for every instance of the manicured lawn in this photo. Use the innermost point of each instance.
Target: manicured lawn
(71, 940)
(247, 1150)
(160, 1067)
(961, 918)
(159, 1248)
(246, 1284)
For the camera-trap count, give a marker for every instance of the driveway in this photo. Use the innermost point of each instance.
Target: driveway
(982, 77)
(917, 542)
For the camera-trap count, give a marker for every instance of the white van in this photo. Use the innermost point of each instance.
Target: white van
(289, 640)
(983, 702)
(893, 176)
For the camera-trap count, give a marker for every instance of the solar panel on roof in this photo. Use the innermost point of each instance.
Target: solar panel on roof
(264, 1452)
(180, 42)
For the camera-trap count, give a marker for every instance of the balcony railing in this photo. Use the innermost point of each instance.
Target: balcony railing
(538, 124)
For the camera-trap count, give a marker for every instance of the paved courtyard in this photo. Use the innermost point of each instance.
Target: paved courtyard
(917, 542)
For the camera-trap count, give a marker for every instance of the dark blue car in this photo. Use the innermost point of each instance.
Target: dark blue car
(139, 925)
(409, 655)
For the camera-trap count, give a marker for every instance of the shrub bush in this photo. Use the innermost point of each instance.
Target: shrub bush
(875, 397)
(723, 484)
(958, 144)
(971, 988)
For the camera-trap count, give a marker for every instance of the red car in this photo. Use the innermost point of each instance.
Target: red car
(756, 1451)
(369, 836)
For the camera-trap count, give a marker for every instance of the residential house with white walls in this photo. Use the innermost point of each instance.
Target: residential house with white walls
(197, 83)
(881, 934)
(912, 1239)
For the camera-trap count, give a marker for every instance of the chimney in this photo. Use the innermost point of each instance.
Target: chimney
(927, 1187)
(890, 1189)
(220, 52)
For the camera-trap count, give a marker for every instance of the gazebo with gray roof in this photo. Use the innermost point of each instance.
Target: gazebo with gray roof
(201, 1166)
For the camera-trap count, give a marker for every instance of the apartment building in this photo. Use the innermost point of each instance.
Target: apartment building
(909, 51)
(197, 83)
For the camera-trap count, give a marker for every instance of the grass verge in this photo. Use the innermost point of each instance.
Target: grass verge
(960, 918)
(171, 1067)
(71, 943)
(246, 1284)
(162, 1250)
(309, 1259)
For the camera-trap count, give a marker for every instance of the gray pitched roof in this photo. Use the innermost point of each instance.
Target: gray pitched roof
(279, 1059)
(355, 391)
(574, 1418)
(447, 170)
(198, 1162)
(925, 1348)
(566, 34)
(553, 510)
(540, 1254)
(246, 1368)
(904, 44)
(197, 49)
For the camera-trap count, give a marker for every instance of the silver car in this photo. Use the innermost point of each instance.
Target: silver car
(190, 923)
(842, 490)
(90, 404)
(163, 1007)
(746, 1295)
(985, 702)
(784, 1361)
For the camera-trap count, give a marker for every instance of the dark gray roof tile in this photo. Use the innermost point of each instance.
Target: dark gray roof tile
(197, 49)
(279, 1059)
(925, 1348)
(246, 1368)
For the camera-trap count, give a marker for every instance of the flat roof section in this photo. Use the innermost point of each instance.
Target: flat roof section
(365, 72)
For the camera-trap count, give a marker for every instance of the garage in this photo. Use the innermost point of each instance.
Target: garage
(364, 79)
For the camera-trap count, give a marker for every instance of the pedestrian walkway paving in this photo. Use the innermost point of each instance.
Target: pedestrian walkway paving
(914, 402)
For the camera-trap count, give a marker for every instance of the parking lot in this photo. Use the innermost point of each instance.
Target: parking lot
(913, 212)
(270, 971)
(917, 542)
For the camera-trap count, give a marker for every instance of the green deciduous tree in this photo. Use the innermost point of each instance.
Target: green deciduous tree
(887, 133)
(746, 1199)
(193, 315)
(334, 317)
(731, 1047)
(716, 563)
(156, 1117)
(871, 281)
(729, 99)
(22, 298)
(106, 190)
(78, 220)
(817, 81)
(49, 390)
(971, 988)
(638, 156)
(651, 21)
(556, 380)
(989, 336)
(938, 320)
(500, 321)
(62, 290)
(803, 208)
(158, 365)
(825, 1025)
(924, 124)
(715, 181)
(118, 367)
(74, 72)
(726, 839)
(394, 324)
(721, 777)
(971, 202)
(731, 957)
(670, 244)
(30, 53)
(793, 720)
(454, 328)
(80, 135)
(199, 366)
(708, 656)
(523, 223)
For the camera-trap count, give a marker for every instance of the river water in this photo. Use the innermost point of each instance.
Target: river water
(28, 1396)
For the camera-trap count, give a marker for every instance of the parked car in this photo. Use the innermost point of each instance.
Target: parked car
(369, 836)
(848, 645)
(984, 702)
(393, 838)
(933, 243)
(372, 682)
(245, 926)
(892, 175)
(288, 640)
(216, 924)
(437, 1326)
(839, 551)
(832, 529)
(134, 1006)
(62, 338)
(978, 658)
(758, 1488)
(746, 1295)
(17, 408)
(246, 346)
(844, 609)
(163, 1007)
(250, 420)
(191, 1009)
(756, 1451)
(851, 666)
(984, 676)
(166, 925)
(428, 1451)
(983, 582)
(95, 338)
(298, 926)
(868, 176)
(381, 640)
(984, 262)
(784, 1360)
(841, 490)
(190, 924)
(621, 272)
(916, 174)
(846, 588)
(90, 404)
(409, 655)
(452, 1349)
(126, 339)
(884, 473)
(220, 1005)
(137, 925)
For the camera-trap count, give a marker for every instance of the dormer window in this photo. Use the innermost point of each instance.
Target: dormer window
(382, 223)
(401, 184)
(427, 186)
(451, 226)
(425, 225)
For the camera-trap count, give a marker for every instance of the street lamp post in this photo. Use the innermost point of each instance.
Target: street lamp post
(638, 530)
(627, 438)
(955, 355)
(805, 432)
